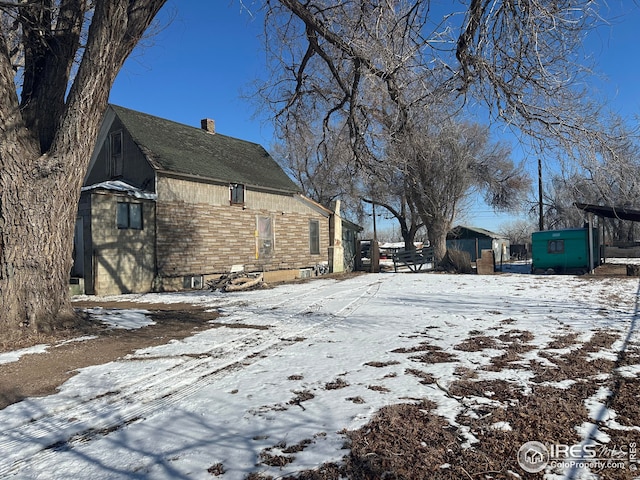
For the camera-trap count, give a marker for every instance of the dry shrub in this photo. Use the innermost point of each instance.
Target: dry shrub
(476, 344)
(571, 366)
(422, 347)
(426, 378)
(506, 361)
(358, 400)
(382, 364)
(500, 390)
(456, 261)
(516, 337)
(337, 384)
(216, 469)
(600, 340)
(378, 388)
(435, 356)
(301, 396)
(564, 341)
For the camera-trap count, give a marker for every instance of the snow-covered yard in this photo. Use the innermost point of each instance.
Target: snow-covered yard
(274, 390)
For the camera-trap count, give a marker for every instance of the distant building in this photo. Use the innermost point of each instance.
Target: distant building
(473, 240)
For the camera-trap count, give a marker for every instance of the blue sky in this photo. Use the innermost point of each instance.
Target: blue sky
(203, 61)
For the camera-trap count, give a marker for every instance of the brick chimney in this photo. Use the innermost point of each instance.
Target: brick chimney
(208, 125)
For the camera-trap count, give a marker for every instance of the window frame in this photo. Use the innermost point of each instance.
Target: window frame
(116, 162)
(552, 246)
(314, 237)
(237, 194)
(129, 216)
(265, 237)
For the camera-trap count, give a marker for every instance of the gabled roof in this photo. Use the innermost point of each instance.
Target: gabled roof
(174, 147)
(463, 230)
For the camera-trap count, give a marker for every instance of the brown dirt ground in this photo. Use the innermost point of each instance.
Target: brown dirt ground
(409, 441)
(41, 374)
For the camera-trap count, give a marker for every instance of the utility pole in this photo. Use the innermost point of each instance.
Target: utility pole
(374, 253)
(540, 205)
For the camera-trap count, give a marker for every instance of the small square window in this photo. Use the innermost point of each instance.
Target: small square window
(237, 194)
(129, 216)
(555, 246)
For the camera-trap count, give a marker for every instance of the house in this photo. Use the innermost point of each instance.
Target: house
(167, 206)
(473, 240)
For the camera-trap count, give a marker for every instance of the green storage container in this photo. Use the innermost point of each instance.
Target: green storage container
(564, 251)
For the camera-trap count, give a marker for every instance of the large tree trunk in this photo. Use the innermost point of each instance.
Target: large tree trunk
(437, 234)
(44, 157)
(37, 217)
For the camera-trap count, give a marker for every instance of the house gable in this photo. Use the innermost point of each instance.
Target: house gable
(135, 169)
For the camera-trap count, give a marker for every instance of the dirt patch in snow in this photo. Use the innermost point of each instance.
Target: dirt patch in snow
(41, 374)
(497, 417)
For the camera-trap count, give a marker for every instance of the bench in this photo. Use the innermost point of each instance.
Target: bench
(414, 259)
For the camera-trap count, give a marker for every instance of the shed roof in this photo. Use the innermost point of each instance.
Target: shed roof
(622, 213)
(174, 147)
(463, 231)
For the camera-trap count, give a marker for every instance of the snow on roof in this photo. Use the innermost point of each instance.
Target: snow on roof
(120, 186)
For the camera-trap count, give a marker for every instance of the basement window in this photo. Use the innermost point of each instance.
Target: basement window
(237, 194)
(129, 216)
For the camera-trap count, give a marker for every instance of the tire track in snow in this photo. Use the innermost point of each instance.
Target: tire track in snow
(39, 438)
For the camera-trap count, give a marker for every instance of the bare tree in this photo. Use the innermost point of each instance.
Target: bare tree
(326, 171)
(518, 232)
(343, 62)
(522, 59)
(49, 119)
(444, 163)
(605, 170)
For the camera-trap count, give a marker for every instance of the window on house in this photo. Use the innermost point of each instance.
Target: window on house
(314, 237)
(264, 237)
(237, 194)
(555, 246)
(129, 216)
(116, 163)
